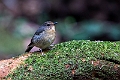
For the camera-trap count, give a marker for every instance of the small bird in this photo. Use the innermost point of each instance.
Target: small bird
(43, 37)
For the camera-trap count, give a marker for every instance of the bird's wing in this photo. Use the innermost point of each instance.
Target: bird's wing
(40, 30)
(31, 45)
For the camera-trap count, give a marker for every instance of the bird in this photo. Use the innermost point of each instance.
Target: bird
(43, 37)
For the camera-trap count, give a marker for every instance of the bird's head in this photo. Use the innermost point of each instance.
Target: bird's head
(50, 25)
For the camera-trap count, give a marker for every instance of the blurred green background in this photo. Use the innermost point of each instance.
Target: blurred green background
(77, 19)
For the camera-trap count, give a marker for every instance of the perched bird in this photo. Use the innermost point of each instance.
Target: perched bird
(43, 37)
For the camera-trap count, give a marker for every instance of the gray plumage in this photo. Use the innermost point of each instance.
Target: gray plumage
(43, 37)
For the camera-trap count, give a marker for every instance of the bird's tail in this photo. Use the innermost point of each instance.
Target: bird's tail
(28, 49)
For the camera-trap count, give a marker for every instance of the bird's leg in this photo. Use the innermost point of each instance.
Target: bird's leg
(50, 47)
(41, 51)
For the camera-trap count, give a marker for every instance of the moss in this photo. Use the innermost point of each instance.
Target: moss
(73, 60)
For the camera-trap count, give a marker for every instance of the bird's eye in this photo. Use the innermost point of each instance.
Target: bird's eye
(48, 24)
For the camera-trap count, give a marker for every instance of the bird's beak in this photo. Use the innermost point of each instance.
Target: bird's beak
(55, 23)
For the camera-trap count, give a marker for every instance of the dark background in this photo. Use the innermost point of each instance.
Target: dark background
(77, 20)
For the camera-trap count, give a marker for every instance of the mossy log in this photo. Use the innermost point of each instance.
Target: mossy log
(72, 60)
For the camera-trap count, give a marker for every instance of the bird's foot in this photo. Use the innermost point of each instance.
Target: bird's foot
(50, 47)
(41, 51)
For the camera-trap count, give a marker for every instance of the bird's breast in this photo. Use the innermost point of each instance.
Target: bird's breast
(44, 39)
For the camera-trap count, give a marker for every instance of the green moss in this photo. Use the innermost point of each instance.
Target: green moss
(72, 60)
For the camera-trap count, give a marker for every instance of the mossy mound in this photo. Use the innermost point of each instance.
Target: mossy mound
(73, 60)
